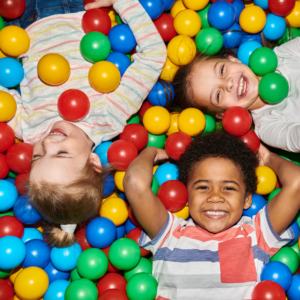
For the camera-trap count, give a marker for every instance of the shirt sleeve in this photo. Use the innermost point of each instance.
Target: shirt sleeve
(290, 48)
(267, 239)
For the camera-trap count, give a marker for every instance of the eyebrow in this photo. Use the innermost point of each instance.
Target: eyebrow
(223, 181)
(52, 156)
(215, 68)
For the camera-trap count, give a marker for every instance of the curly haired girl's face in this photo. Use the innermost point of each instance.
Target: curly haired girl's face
(217, 194)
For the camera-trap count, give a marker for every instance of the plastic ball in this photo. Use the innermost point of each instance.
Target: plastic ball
(108, 185)
(253, 19)
(184, 213)
(187, 22)
(6, 290)
(273, 88)
(11, 72)
(294, 17)
(238, 6)
(81, 239)
(251, 140)
(135, 134)
(165, 26)
(120, 60)
(144, 266)
(273, 194)
(195, 5)
(124, 254)
(296, 230)
(96, 20)
(119, 176)
(54, 274)
(2, 24)
(7, 137)
(263, 61)
(111, 281)
(268, 290)
(14, 41)
(181, 50)
(162, 94)
(210, 124)
(258, 202)
(236, 121)
(81, 289)
(132, 217)
(101, 151)
(168, 4)
(157, 141)
(154, 8)
(166, 172)
(177, 7)
(293, 292)
(221, 15)
(101, 232)
(122, 39)
(290, 34)
(266, 180)
(281, 8)
(176, 144)
(104, 76)
(111, 268)
(135, 234)
(121, 231)
(8, 195)
(142, 286)
(288, 257)
(64, 259)
(8, 106)
(73, 105)
(191, 121)
(56, 290)
(174, 123)
(157, 120)
(275, 27)
(245, 50)
(209, 41)
(203, 14)
(11, 226)
(12, 9)
(145, 106)
(115, 209)
(232, 36)
(113, 295)
(262, 4)
(169, 71)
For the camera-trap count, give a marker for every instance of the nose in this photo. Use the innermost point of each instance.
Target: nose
(49, 142)
(228, 84)
(215, 197)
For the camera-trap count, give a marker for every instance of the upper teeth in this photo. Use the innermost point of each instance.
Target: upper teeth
(215, 213)
(242, 86)
(56, 133)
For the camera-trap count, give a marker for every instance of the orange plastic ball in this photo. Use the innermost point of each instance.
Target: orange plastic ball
(294, 17)
(8, 106)
(191, 121)
(187, 22)
(253, 19)
(169, 71)
(157, 120)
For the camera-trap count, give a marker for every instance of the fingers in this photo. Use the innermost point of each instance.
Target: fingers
(97, 4)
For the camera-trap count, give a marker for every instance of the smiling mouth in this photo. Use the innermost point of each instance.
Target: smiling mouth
(215, 214)
(57, 131)
(242, 87)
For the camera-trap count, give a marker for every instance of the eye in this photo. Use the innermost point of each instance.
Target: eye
(218, 96)
(228, 188)
(202, 187)
(222, 70)
(62, 152)
(36, 156)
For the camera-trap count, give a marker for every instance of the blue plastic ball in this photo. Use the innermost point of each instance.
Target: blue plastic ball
(221, 15)
(258, 202)
(11, 72)
(56, 290)
(31, 233)
(25, 212)
(275, 27)
(120, 231)
(293, 292)
(109, 185)
(296, 230)
(238, 6)
(129, 226)
(161, 94)
(121, 38)
(120, 60)
(101, 232)
(65, 259)
(54, 274)
(101, 151)
(278, 272)
(245, 50)
(262, 4)
(154, 8)
(231, 38)
(8, 194)
(123, 196)
(11, 180)
(168, 4)
(166, 172)
(12, 252)
(251, 37)
(37, 254)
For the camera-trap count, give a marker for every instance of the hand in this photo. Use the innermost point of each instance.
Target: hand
(263, 155)
(100, 3)
(161, 155)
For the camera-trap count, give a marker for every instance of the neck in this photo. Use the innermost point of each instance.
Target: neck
(258, 103)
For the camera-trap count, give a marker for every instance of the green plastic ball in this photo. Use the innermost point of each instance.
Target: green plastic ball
(141, 286)
(118, 19)
(134, 119)
(295, 247)
(74, 275)
(157, 141)
(210, 125)
(6, 213)
(203, 16)
(144, 266)
(288, 257)
(263, 61)
(12, 174)
(292, 156)
(81, 289)
(219, 126)
(151, 260)
(154, 185)
(124, 254)
(92, 263)
(290, 34)
(6, 273)
(95, 46)
(273, 194)
(209, 41)
(1, 23)
(273, 88)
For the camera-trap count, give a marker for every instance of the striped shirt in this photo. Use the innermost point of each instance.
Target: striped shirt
(190, 263)
(37, 107)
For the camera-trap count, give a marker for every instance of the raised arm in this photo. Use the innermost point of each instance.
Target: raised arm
(148, 209)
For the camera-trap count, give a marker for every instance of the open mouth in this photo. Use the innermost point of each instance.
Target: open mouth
(242, 87)
(57, 131)
(215, 214)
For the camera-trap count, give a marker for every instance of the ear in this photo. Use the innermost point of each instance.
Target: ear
(95, 160)
(248, 201)
(219, 115)
(233, 59)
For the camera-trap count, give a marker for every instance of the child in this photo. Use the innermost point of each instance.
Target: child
(217, 254)
(215, 84)
(65, 183)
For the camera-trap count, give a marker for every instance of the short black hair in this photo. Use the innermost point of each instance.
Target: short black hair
(222, 145)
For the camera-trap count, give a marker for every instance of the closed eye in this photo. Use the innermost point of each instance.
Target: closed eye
(230, 188)
(202, 187)
(62, 152)
(222, 70)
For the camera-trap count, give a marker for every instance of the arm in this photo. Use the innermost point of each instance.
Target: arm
(148, 209)
(290, 48)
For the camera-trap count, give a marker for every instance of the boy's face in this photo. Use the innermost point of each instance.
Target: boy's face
(216, 192)
(219, 84)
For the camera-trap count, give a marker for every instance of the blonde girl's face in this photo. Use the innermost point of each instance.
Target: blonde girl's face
(219, 84)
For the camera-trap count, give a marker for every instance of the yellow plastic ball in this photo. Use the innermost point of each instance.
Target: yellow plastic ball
(174, 123)
(187, 22)
(191, 121)
(119, 176)
(40, 229)
(294, 17)
(14, 40)
(31, 284)
(115, 209)
(17, 141)
(157, 120)
(169, 71)
(177, 7)
(112, 15)
(195, 4)
(113, 24)
(155, 168)
(183, 213)
(104, 76)
(113, 195)
(267, 180)
(8, 106)
(2, 54)
(12, 277)
(53, 69)
(253, 19)
(181, 50)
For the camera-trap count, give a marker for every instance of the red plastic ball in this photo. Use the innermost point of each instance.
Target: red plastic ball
(12, 9)
(121, 153)
(113, 295)
(73, 105)
(268, 290)
(135, 134)
(251, 140)
(146, 105)
(96, 19)
(135, 235)
(111, 268)
(7, 137)
(132, 217)
(18, 157)
(6, 290)
(165, 26)
(21, 182)
(111, 281)
(4, 169)
(281, 8)
(237, 121)
(81, 239)
(176, 144)
(173, 194)
(11, 226)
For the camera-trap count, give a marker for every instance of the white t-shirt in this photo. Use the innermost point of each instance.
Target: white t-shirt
(279, 125)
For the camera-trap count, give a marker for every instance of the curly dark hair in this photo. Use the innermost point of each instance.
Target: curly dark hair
(222, 145)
